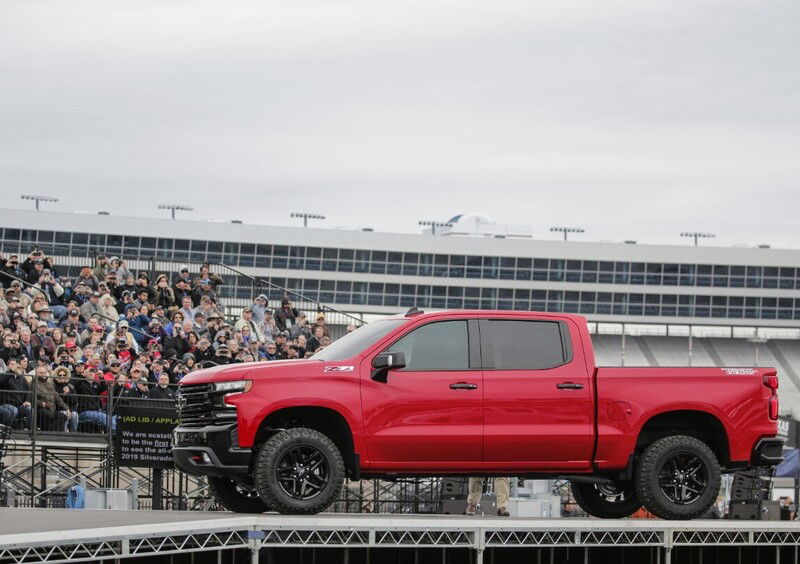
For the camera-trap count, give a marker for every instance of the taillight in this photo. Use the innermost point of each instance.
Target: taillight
(773, 407)
(771, 381)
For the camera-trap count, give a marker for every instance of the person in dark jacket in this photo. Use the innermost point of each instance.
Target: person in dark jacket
(65, 389)
(89, 388)
(164, 295)
(286, 315)
(15, 390)
(10, 271)
(162, 391)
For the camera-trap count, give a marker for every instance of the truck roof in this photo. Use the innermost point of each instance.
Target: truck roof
(414, 313)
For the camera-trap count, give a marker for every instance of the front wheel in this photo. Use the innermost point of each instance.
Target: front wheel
(677, 477)
(235, 497)
(607, 501)
(299, 471)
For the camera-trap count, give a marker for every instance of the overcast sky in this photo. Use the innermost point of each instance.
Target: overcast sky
(633, 120)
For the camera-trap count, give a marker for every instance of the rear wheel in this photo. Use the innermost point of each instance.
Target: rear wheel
(607, 501)
(299, 471)
(235, 497)
(678, 477)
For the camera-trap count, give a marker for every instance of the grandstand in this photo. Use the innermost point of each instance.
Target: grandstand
(741, 305)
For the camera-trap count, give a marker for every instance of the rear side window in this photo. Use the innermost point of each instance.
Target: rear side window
(524, 345)
(436, 346)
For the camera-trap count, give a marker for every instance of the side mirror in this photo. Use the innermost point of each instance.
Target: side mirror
(384, 362)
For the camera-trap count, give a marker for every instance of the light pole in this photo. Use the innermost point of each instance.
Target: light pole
(173, 207)
(697, 235)
(306, 216)
(434, 224)
(566, 230)
(38, 198)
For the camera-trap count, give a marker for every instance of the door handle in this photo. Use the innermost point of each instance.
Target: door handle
(569, 386)
(463, 386)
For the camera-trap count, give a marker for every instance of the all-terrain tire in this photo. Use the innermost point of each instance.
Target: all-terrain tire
(234, 498)
(656, 460)
(273, 457)
(596, 500)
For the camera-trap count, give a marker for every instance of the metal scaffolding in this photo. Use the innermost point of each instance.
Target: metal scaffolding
(218, 532)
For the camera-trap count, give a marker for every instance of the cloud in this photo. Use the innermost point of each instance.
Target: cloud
(632, 121)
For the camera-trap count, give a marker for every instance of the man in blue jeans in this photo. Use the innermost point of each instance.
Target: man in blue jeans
(88, 390)
(15, 395)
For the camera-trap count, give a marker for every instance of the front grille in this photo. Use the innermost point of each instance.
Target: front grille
(195, 403)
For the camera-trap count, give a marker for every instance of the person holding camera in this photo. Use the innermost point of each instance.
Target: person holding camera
(48, 287)
(33, 266)
(10, 271)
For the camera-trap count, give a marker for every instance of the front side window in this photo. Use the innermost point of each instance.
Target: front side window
(524, 345)
(435, 346)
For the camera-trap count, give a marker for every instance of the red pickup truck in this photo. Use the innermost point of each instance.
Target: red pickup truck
(474, 393)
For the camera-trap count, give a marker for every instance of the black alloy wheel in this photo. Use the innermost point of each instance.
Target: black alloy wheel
(299, 471)
(677, 477)
(303, 472)
(683, 478)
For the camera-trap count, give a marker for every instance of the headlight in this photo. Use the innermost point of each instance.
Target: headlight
(233, 387)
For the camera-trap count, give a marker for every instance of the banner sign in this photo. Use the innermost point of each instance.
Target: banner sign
(144, 436)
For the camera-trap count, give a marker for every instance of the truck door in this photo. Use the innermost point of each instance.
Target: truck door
(538, 399)
(427, 415)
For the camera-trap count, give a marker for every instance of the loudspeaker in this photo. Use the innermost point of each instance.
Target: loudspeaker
(454, 488)
(454, 506)
(745, 510)
(764, 510)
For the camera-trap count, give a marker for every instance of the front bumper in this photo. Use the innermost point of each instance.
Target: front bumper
(768, 452)
(211, 450)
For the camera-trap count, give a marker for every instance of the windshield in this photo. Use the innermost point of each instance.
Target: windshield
(353, 343)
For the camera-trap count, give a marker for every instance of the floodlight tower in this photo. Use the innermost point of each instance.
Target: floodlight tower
(434, 224)
(306, 216)
(566, 230)
(38, 198)
(174, 207)
(697, 235)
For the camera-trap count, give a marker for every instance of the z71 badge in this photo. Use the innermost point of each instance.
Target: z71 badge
(338, 369)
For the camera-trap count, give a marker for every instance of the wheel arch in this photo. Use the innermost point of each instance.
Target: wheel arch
(702, 425)
(326, 420)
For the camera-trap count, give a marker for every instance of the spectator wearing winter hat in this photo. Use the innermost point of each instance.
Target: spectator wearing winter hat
(286, 315)
(101, 267)
(164, 297)
(108, 313)
(126, 284)
(63, 387)
(120, 268)
(143, 281)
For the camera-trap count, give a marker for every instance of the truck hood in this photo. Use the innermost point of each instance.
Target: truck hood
(238, 371)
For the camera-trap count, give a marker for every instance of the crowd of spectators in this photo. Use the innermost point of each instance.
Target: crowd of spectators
(111, 332)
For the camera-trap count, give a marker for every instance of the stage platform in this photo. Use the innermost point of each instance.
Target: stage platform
(62, 535)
